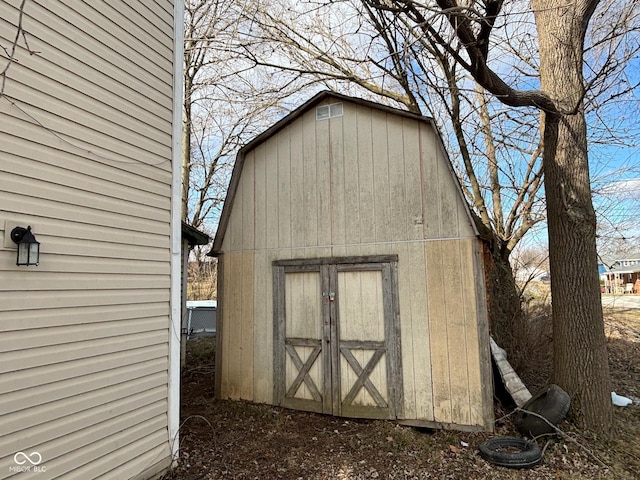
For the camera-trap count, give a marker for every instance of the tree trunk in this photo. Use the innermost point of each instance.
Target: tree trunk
(506, 319)
(580, 363)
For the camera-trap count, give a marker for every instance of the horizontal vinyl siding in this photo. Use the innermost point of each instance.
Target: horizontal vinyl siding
(85, 159)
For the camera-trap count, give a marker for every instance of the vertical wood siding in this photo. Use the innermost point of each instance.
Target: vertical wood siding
(85, 159)
(367, 183)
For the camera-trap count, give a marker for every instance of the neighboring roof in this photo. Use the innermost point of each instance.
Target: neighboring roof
(297, 113)
(617, 268)
(615, 264)
(194, 236)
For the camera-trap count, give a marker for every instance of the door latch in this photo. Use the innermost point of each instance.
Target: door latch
(330, 295)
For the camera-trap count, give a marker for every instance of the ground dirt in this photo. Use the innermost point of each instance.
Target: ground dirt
(241, 440)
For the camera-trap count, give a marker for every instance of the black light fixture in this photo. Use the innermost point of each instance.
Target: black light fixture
(28, 246)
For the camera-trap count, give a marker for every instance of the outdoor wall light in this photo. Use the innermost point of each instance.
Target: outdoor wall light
(28, 246)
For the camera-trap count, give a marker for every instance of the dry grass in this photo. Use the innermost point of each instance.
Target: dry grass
(240, 440)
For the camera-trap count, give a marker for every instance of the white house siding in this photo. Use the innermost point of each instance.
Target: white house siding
(367, 183)
(85, 159)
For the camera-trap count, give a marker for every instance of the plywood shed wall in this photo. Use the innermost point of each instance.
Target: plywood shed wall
(351, 275)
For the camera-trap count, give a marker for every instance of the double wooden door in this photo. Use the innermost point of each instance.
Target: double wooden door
(336, 336)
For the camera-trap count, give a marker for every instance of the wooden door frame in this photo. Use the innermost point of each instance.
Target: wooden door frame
(279, 338)
(331, 402)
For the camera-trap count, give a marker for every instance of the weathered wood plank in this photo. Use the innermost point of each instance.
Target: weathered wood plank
(457, 322)
(407, 321)
(263, 327)
(299, 217)
(468, 305)
(247, 188)
(365, 175)
(413, 181)
(482, 410)
(328, 337)
(364, 344)
(396, 181)
(395, 370)
(284, 188)
(381, 194)
(234, 228)
(272, 202)
(233, 326)
(279, 332)
(323, 180)
(343, 262)
(351, 179)
(438, 335)
(332, 299)
(310, 181)
(449, 200)
(337, 161)
(432, 185)
(246, 321)
(416, 288)
(260, 199)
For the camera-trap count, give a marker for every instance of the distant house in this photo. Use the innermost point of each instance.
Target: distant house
(620, 274)
(350, 272)
(90, 122)
(531, 274)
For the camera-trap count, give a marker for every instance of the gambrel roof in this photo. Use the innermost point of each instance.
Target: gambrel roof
(287, 120)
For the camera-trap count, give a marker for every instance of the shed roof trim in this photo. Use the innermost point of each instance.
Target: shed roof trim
(194, 236)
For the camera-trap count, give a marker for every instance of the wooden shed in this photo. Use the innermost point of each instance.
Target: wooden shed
(351, 279)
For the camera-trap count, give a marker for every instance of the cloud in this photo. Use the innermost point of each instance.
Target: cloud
(622, 188)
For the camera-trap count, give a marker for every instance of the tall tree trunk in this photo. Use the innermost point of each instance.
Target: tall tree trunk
(580, 356)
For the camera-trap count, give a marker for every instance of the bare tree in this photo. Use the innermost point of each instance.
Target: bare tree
(8, 52)
(433, 57)
(226, 103)
(580, 356)
(413, 53)
(356, 48)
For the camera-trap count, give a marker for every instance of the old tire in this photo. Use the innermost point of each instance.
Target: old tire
(511, 452)
(552, 403)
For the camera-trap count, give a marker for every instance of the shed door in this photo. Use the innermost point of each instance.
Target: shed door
(337, 339)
